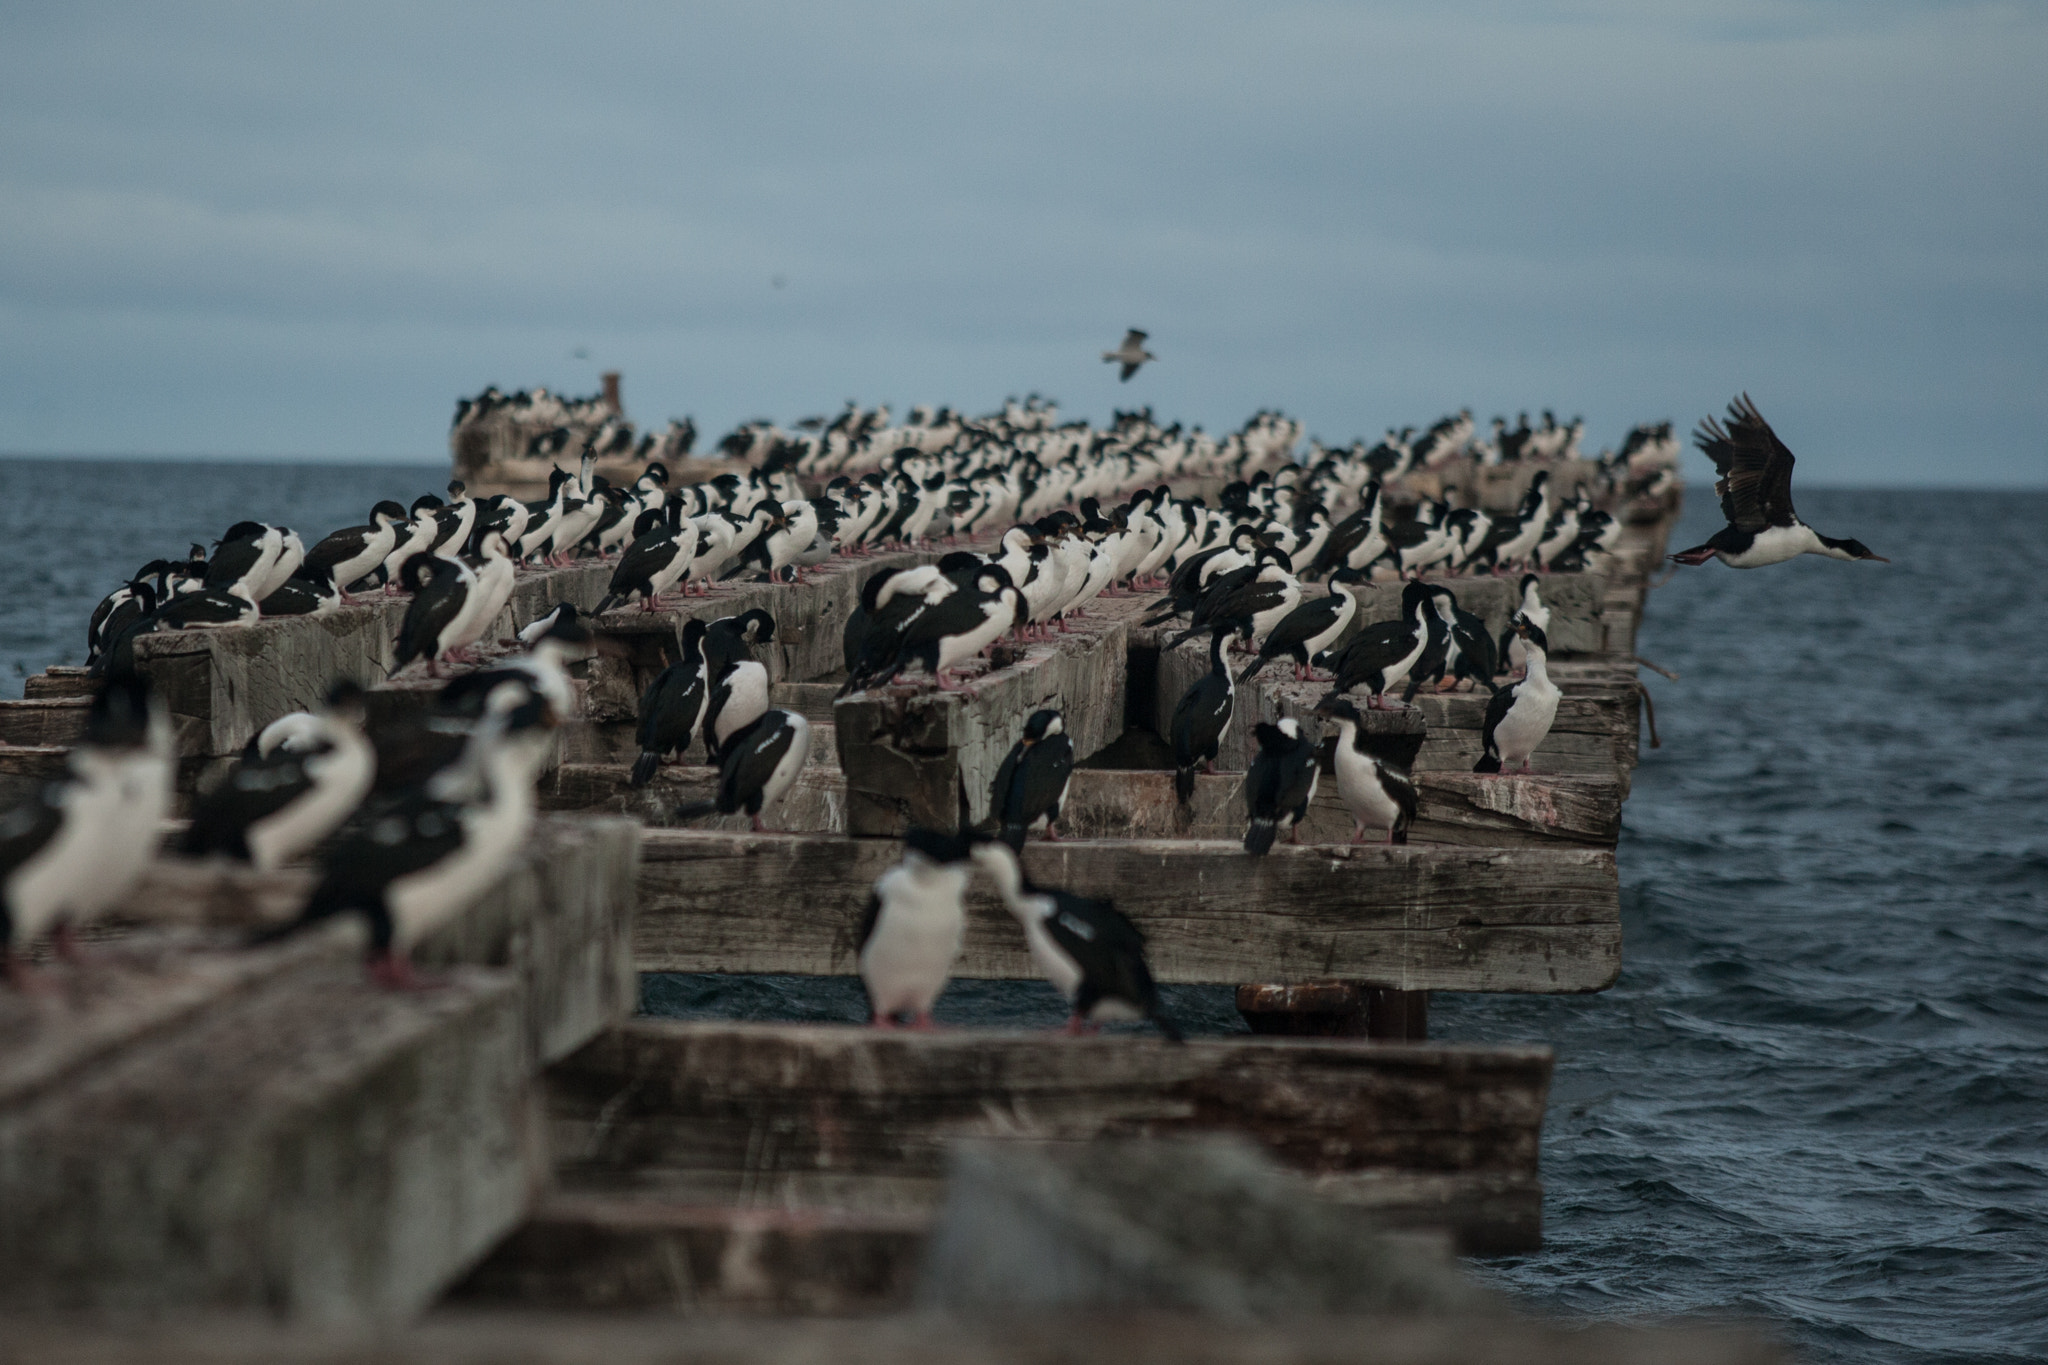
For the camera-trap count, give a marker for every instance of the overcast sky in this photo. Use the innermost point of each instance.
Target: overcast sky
(304, 230)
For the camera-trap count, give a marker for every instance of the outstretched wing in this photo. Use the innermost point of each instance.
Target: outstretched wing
(1755, 487)
(1134, 339)
(1130, 368)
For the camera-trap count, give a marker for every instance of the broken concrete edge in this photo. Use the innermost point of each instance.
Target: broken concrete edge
(314, 1147)
(1204, 1223)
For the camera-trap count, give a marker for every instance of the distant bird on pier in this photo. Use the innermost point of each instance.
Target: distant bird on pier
(672, 707)
(441, 589)
(1031, 785)
(1374, 772)
(74, 850)
(354, 551)
(664, 544)
(739, 682)
(1309, 629)
(910, 937)
(306, 593)
(279, 804)
(551, 642)
(1130, 355)
(759, 766)
(1755, 489)
(1383, 654)
(1512, 653)
(1519, 716)
(1200, 720)
(1088, 949)
(1280, 785)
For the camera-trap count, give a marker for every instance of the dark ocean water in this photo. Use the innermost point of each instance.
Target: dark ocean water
(1818, 1095)
(71, 531)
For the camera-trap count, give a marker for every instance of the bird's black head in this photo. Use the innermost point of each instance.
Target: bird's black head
(656, 471)
(456, 488)
(937, 846)
(693, 633)
(1043, 725)
(1529, 580)
(1852, 549)
(244, 530)
(647, 521)
(959, 562)
(425, 502)
(1339, 707)
(1531, 632)
(755, 626)
(566, 624)
(387, 510)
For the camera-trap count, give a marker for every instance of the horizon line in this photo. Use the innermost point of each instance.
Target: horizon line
(101, 457)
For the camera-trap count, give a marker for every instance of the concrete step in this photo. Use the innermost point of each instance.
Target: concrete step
(622, 1254)
(788, 1116)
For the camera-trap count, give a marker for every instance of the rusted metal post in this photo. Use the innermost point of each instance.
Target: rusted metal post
(1396, 1016)
(611, 391)
(1335, 1009)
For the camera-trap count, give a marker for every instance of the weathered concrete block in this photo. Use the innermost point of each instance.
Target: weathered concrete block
(269, 1133)
(780, 1115)
(1206, 1225)
(562, 922)
(1406, 917)
(587, 1252)
(917, 755)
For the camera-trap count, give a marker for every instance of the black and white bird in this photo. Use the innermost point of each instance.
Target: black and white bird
(305, 593)
(1354, 542)
(1279, 785)
(76, 848)
(1511, 654)
(759, 766)
(910, 936)
(1309, 629)
(551, 641)
(1130, 355)
(412, 861)
(1249, 602)
(956, 628)
(278, 805)
(739, 683)
(1088, 949)
(1200, 720)
(352, 553)
(1755, 489)
(440, 589)
(1382, 655)
(1468, 650)
(1031, 785)
(120, 609)
(1519, 716)
(1375, 772)
(672, 707)
(663, 548)
(889, 602)
(248, 554)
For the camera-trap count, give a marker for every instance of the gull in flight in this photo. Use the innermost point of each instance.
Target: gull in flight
(1131, 354)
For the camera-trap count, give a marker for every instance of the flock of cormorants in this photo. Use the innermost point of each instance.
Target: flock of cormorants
(410, 822)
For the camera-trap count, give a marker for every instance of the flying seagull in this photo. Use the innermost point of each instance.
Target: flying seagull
(1131, 354)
